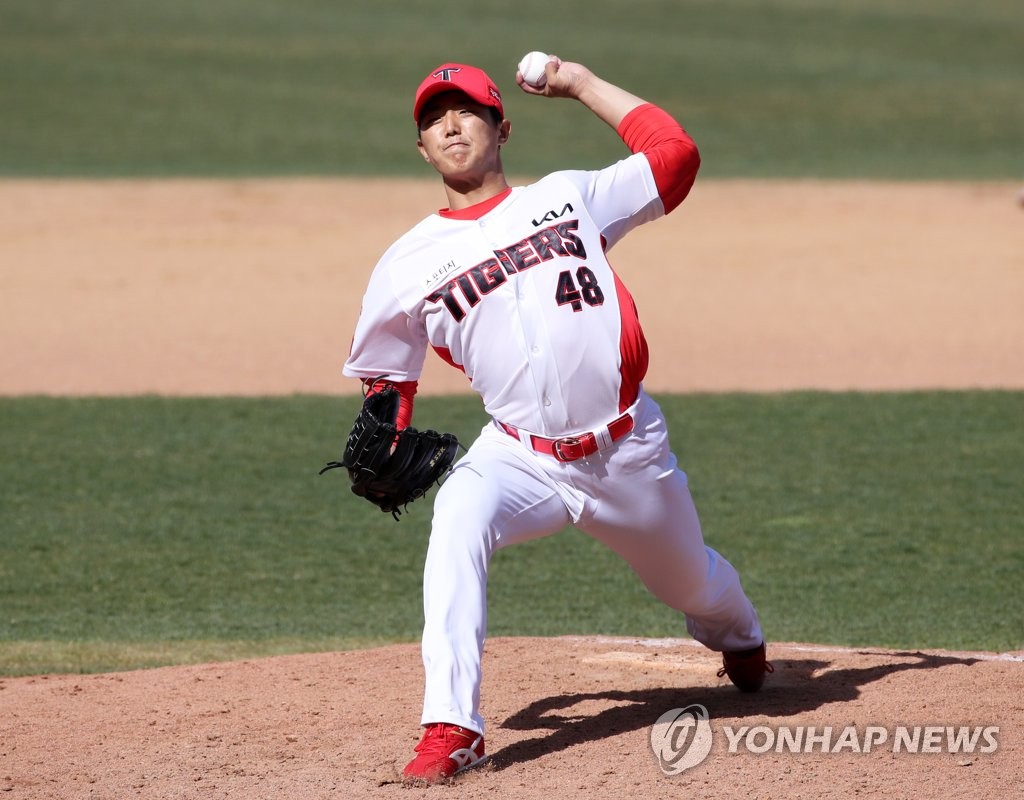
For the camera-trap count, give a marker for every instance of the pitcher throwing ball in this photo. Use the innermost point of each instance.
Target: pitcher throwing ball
(513, 286)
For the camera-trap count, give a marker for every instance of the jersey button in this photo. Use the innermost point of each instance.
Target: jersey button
(547, 400)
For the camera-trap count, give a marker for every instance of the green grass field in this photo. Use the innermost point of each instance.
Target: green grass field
(149, 531)
(840, 88)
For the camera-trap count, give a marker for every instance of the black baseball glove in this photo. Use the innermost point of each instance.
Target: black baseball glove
(388, 467)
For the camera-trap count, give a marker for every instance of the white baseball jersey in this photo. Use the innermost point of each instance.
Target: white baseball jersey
(493, 288)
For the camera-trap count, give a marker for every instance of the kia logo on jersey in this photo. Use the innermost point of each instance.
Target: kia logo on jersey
(552, 215)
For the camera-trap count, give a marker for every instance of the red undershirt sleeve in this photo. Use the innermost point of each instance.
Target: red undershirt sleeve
(672, 154)
(406, 391)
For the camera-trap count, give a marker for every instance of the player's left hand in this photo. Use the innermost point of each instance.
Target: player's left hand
(388, 467)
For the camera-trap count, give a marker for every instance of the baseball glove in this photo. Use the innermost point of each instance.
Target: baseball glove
(388, 467)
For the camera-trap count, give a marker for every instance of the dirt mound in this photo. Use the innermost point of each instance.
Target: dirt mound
(567, 717)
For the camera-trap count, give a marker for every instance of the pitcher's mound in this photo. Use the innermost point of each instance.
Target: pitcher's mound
(567, 717)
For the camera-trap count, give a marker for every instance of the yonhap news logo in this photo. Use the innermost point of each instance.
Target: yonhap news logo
(853, 739)
(682, 738)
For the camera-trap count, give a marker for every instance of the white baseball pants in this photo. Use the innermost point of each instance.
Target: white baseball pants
(632, 497)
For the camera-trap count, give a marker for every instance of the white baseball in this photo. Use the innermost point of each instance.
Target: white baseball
(532, 68)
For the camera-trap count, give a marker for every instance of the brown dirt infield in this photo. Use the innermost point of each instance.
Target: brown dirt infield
(252, 287)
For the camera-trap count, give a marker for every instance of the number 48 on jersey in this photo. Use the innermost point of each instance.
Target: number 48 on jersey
(584, 289)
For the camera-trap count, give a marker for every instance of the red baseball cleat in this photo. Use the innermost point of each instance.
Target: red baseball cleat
(746, 668)
(445, 750)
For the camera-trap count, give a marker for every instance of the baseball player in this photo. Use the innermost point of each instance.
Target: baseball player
(513, 286)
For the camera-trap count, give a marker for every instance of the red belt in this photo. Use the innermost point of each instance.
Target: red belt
(572, 448)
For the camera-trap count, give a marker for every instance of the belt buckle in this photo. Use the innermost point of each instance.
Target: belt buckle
(556, 448)
(587, 444)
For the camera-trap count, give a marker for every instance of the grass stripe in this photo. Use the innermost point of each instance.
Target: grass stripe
(794, 88)
(890, 520)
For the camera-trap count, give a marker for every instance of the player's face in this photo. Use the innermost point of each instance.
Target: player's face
(460, 138)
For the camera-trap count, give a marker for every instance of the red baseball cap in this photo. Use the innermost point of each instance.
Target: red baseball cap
(458, 77)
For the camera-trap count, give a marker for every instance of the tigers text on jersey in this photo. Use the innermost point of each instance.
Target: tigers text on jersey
(517, 292)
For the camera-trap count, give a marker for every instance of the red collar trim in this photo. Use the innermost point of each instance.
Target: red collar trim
(478, 210)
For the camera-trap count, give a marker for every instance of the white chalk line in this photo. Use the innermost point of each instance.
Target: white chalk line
(802, 648)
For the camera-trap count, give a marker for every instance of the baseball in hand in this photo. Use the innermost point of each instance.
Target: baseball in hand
(532, 68)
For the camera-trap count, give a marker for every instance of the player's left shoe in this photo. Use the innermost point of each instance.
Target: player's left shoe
(747, 669)
(443, 752)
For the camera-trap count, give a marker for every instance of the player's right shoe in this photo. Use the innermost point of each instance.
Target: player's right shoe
(746, 668)
(443, 752)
